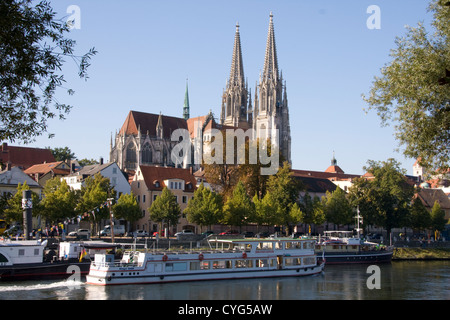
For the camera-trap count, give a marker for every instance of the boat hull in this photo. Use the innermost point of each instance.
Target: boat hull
(133, 278)
(358, 258)
(43, 271)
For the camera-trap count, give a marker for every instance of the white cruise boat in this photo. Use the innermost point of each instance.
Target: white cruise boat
(225, 259)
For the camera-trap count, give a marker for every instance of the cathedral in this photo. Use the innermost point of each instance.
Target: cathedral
(145, 138)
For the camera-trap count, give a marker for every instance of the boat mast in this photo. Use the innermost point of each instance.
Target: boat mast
(359, 219)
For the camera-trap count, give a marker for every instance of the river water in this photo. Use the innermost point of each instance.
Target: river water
(418, 280)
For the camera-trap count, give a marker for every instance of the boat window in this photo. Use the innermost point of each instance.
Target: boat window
(264, 263)
(264, 246)
(36, 252)
(195, 266)
(222, 264)
(21, 252)
(204, 265)
(292, 261)
(278, 245)
(309, 260)
(176, 266)
(243, 264)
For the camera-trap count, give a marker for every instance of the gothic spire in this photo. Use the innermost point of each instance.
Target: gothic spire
(270, 62)
(186, 103)
(237, 66)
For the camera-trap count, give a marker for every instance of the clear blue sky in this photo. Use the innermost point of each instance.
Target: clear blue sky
(147, 49)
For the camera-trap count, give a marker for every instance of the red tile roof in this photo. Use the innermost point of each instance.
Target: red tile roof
(152, 174)
(24, 157)
(147, 122)
(43, 168)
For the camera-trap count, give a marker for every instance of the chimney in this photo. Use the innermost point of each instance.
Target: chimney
(101, 160)
(72, 167)
(4, 146)
(8, 166)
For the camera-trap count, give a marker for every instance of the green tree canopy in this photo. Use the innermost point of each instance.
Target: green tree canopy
(238, 210)
(14, 211)
(338, 209)
(385, 196)
(413, 91)
(438, 220)
(165, 208)
(33, 47)
(127, 208)
(59, 200)
(205, 209)
(420, 217)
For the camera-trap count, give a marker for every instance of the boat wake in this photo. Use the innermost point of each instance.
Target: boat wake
(30, 286)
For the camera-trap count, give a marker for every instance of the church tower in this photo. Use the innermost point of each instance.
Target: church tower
(235, 96)
(186, 103)
(271, 113)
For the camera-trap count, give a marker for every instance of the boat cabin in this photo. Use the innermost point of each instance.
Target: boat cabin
(21, 252)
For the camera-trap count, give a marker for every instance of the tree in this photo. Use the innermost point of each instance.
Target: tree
(414, 90)
(165, 208)
(59, 200)
(86, 162)
(33, 47)
(438, 220)
(94, 193)
(14, 211)
(238, 209)
(386, 195)
(337, 207)
(284, 191)
(205, 209)
(265, 210)
(62, 154)
(127, 208)
(420, 217)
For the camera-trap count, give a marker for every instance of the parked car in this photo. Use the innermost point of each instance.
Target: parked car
(140, 233)
(207, 233)
(229, 232)
(80, 232)
(187, 231)
(248, 234)
(263, 234)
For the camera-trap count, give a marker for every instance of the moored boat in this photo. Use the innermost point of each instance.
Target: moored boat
(25, 260)
(224, 259)
(340, 247)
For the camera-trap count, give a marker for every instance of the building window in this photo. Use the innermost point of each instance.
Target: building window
(143, 198)
(184, 199)
(147, 154)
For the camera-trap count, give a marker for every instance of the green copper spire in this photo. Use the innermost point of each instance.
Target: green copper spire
(186, 103)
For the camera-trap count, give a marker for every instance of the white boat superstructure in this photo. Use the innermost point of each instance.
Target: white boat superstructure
(225, 259)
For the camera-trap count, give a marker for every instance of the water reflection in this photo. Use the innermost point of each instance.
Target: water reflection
(399, 280)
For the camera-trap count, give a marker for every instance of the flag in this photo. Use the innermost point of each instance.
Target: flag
(83, 254)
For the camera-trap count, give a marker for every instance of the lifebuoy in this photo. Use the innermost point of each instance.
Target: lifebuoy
(165, 257)
(200, 257)
(244, 255)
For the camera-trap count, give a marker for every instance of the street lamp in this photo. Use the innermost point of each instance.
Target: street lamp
(111, 217)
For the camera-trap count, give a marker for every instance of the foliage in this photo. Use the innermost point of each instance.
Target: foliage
(386, 196)
(238, 209)
(14, 211)
(337, 208)
(87, 162)
(438, 220)
(94, 193)
(283, 193)
(62, 154)
(165, 208)
(414, 91)
(59, 200)
(420, 217)
(127, 208)
(205, 209)
(32, 51)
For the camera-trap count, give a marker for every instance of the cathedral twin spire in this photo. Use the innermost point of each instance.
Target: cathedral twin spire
(270, 112)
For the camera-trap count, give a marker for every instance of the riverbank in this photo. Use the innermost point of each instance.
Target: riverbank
(402, 254)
